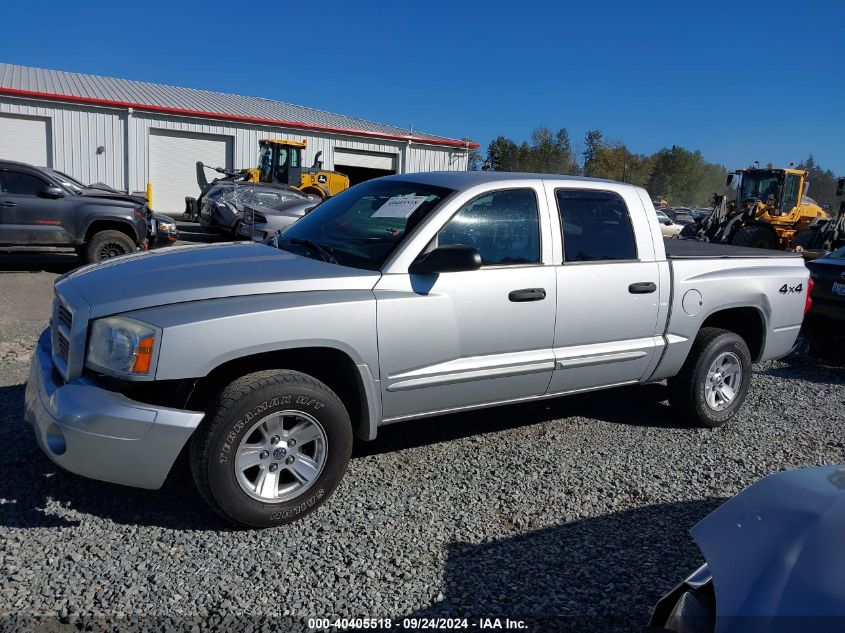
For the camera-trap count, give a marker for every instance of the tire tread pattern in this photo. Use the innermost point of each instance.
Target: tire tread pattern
(217, 416)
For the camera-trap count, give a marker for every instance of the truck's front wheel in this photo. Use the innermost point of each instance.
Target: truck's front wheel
(714, 380)
(275, 446)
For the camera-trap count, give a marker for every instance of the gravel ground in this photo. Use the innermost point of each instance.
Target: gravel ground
(575, 510)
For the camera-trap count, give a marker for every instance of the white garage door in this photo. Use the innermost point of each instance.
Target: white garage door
(173, 159)
(25, 139)
(368, 160)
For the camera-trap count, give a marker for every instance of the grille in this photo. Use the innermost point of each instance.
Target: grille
(64, 317)
(64, 346)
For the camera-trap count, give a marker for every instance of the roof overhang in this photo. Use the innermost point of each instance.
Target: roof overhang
(238, 118)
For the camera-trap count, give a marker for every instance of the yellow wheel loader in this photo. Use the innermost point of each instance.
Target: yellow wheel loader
(823, 236)
(771, 207)
(280, 161)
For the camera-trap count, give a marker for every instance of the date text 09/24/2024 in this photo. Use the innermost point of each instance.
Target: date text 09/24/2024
(415, 624)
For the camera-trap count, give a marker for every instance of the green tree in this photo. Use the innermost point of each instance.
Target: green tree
(502, 155)
(678, 175)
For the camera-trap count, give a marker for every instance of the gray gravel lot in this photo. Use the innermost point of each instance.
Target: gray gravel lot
(575, 509)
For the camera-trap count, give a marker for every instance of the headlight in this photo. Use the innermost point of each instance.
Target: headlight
(122, 347)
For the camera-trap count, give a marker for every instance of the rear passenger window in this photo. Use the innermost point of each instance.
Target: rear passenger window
(503, 226)
(596, 226)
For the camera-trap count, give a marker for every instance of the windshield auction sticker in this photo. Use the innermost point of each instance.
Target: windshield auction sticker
(399, 207)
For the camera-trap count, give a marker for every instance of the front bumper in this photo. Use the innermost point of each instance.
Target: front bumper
(101, 434)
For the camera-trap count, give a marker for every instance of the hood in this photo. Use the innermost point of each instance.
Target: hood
(212, 271)
(111, 196)
(777, 549)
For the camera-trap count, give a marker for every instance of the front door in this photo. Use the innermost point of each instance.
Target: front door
(607, 298)
(466, 338)
(28, 218)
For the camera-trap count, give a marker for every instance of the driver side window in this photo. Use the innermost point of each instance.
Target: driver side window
(503, 226)
(21, 184)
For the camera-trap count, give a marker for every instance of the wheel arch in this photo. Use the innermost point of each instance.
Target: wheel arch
(747, 322)
(353, 383)
(315, 190)
(112, 224)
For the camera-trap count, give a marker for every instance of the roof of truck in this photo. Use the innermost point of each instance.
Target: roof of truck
(464, 179)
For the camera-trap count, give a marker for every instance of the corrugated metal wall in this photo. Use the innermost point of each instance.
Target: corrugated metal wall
(77, 132)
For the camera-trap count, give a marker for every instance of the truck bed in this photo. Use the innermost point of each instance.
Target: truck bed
(693, 249)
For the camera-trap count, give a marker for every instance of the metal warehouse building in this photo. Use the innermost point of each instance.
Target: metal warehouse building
(127, 133)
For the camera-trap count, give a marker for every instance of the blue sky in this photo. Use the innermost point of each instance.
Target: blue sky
(741, 81)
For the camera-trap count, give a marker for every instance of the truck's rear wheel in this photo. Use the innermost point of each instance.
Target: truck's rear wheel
(275, 446)
(714, 380)
(755, 237)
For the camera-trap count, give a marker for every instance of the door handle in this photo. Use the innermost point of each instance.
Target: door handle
(9, 203)
(527, 294)
(642, 287)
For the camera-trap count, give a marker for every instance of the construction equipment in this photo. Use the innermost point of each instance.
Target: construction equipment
(279, 162)
(771, 207)
(823, 236)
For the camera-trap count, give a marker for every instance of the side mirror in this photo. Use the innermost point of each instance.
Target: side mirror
(451, 258)
(52, 192)
(729, 180)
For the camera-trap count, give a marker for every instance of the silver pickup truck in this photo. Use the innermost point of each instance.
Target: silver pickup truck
(403, 297)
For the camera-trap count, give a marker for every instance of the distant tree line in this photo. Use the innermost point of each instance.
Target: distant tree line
(681, 176)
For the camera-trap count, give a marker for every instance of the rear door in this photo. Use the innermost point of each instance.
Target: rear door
(607, 290)
(28, 218)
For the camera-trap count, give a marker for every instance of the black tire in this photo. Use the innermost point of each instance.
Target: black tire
(687, 390)
(108, 244)
(755, 237)
(238, 408)
(805, 239)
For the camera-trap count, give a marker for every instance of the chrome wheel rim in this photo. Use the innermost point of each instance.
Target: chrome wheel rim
(281, 456)
(724, 379)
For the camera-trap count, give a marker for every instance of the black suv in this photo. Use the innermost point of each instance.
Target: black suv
(40, 207)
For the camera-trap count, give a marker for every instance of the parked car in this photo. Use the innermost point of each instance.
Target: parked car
(775, 556)
(39, 208)
(681, 216)
(699, 213)
(163, 231)
(667, 227)
(261, 222)
(400, 298)
(222, 207)
(826, 319)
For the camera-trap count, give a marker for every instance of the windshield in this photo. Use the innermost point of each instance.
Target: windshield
(362, 226)
(762, 185)
(71, 183)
